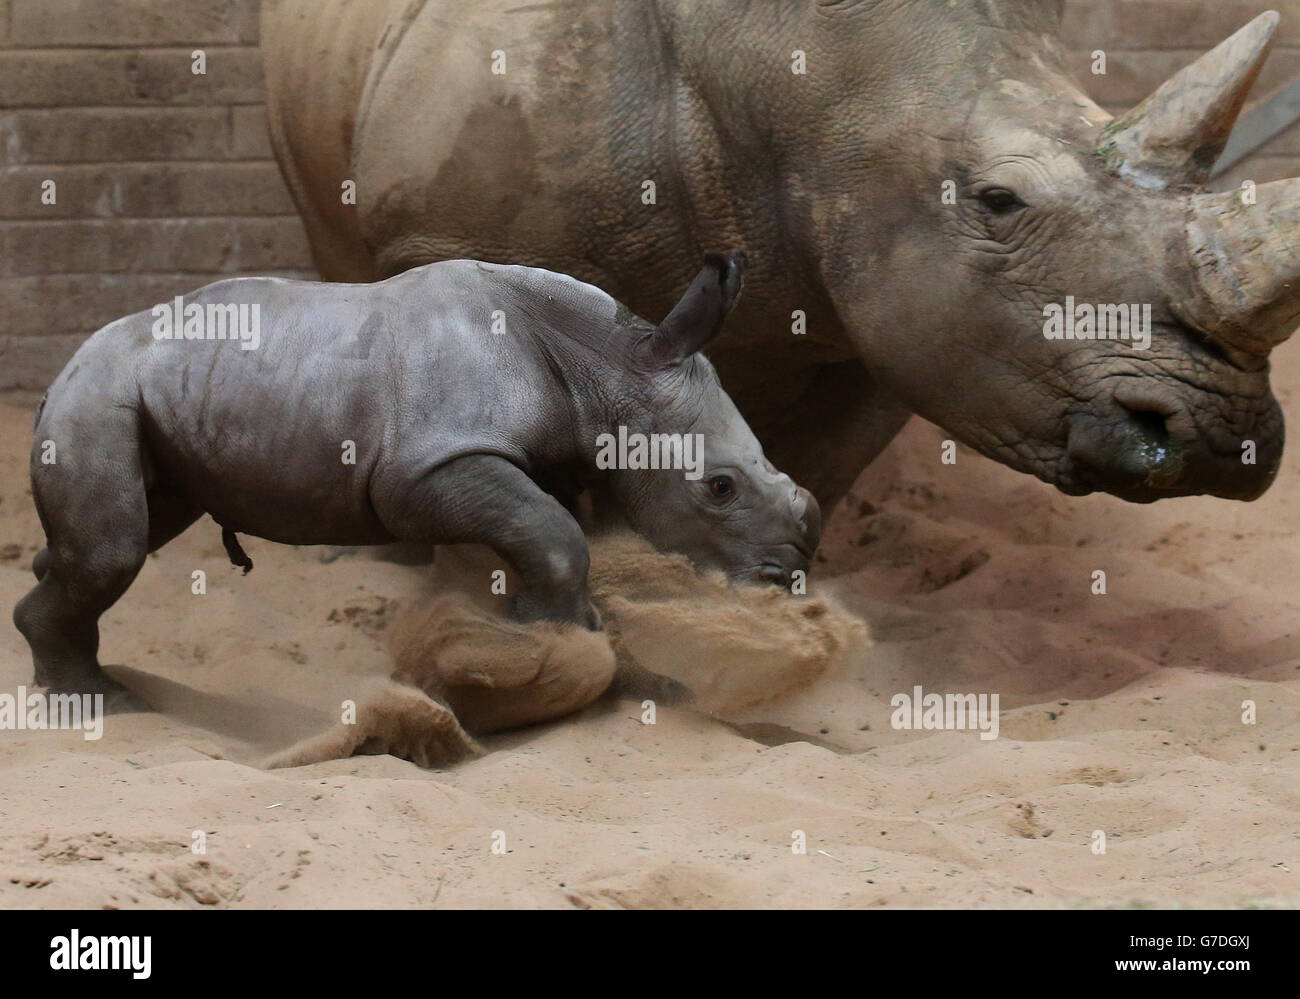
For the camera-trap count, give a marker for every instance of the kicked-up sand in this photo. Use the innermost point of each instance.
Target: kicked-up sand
(782, 782)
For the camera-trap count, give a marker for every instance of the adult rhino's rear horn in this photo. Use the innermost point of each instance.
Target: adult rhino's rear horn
(1175, 136)
(1246, 265)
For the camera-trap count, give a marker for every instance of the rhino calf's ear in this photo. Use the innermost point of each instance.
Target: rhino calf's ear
(699, 316)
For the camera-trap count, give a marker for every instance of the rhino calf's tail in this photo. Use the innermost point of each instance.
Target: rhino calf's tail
(235, 552)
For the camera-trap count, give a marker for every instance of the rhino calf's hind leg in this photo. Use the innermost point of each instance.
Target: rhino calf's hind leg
(97, 530)
(484, 499)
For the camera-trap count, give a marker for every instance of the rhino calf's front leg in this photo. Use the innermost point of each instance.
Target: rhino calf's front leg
(484, 499)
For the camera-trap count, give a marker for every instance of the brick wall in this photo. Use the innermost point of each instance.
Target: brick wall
(164, 179)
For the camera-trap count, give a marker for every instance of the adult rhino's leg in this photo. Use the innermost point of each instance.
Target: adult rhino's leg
(93, 505)
(317, 55)
(834, 429)
(483, 499)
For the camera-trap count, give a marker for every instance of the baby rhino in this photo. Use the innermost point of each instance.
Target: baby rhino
(457, 402)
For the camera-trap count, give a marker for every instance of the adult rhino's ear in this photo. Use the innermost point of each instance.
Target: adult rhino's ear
(698, 317)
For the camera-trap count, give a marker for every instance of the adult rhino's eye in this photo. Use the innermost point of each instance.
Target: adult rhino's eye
(721, 487)
(1000, 201)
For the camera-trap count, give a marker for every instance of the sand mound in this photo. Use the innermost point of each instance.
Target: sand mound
(733, 647)
(393, 719)
(496, 674)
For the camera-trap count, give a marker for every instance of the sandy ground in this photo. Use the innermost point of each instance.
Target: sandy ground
(1121, 713)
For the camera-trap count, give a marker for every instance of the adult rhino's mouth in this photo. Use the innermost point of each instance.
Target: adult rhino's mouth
(1146, 446)
(1191, 417)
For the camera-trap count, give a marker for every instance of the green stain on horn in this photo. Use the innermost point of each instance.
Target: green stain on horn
(1107, 148)
(1108, 152)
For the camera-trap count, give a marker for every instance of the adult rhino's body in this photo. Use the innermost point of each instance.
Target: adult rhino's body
(835, 179)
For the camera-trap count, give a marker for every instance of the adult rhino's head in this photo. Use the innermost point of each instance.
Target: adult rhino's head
(711, 494)
(1003, 193)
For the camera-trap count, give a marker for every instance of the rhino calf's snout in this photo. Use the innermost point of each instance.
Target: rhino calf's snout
(808, 515)
(808, 531)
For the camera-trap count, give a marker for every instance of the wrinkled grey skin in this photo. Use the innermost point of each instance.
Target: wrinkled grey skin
(460, 434)
(832, 180)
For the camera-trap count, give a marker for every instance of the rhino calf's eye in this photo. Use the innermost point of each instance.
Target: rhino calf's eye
(721, 487)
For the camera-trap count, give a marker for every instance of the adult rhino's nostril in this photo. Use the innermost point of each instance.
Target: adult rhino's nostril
(1150, 424)
(1137, 448)
(1145, 444)
(1156, 412)
(1160, 428)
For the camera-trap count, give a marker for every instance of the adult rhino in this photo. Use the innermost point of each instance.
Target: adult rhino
(835, 178)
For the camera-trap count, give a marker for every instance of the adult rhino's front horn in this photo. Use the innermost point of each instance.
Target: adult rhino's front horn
(1245, 287)
(1246, 266)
